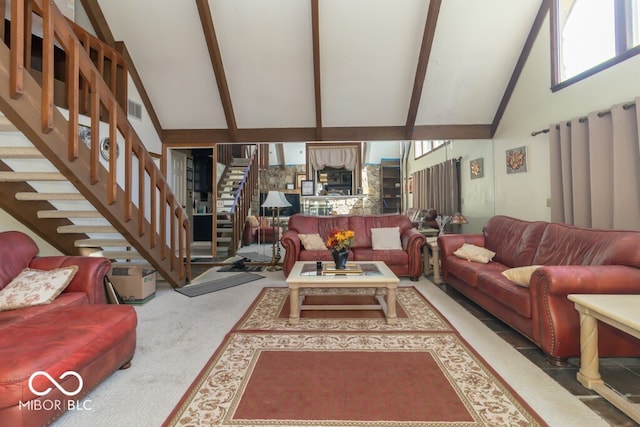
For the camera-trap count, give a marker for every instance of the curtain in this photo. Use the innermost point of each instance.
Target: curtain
(438, 187)
(595, 169)
(333, 157)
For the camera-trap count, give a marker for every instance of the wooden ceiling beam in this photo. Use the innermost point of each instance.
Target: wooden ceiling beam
(524, 54)
(315, 32)
(421, 70)
(373, 133)
(218, 68)
(98, 21)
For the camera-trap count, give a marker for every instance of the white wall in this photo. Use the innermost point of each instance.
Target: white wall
(533, 107)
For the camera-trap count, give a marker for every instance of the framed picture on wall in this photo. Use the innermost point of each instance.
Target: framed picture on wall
(476, 168)
(299, 178)
(306, 187)
(517, 160)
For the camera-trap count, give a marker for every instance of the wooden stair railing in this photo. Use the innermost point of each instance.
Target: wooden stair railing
(157, 227)
(242, 201)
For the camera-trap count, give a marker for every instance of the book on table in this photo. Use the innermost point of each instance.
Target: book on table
(330, 269)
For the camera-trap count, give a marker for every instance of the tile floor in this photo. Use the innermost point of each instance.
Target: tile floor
(623, 374)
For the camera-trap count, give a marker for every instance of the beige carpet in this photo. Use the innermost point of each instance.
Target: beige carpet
(177, 335)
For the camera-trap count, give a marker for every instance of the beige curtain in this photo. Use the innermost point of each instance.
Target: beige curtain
(595, 169)
(346, 157)
(438, 187)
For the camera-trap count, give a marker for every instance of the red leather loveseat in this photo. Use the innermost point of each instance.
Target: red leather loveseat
(403, 262)
(573, 260)
(77, 332)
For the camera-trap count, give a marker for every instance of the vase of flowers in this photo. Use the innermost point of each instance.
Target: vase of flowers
(339, 243)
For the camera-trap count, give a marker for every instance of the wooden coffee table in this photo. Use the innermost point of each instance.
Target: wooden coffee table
(375, 274)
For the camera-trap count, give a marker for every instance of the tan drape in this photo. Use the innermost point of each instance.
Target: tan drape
(438, 187)
(345, 157)
(595, 169)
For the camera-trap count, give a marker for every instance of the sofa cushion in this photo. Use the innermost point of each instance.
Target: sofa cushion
(362, 225)
(386, 238)
(515, 298)
(563, 244)
(253, 221)
(65, 299)
(312, 242)
(521, 275)
(390, 257)
(40, 343)
(514, 241)
(474, 253)
(16, 251)
(35, 287)
(469, 271)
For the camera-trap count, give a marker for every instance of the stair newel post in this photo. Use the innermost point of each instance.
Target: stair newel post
(16, 79)
(47, 66)
(73, 87)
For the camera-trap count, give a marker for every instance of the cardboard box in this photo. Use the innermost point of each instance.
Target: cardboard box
(133, 284)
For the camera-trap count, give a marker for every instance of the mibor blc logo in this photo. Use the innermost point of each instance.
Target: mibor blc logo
(56, 404)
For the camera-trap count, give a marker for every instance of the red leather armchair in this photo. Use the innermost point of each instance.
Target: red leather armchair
(259, 229)
(77, 332)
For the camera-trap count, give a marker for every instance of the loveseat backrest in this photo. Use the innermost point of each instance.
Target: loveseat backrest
(563, 244)
(513, 240)
(16, 252)
(362, 225)
(322, 225)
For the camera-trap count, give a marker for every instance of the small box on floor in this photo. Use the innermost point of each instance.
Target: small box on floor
(133, 284)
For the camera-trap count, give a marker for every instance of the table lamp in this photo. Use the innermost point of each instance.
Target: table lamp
(459, 219)
(275, 200)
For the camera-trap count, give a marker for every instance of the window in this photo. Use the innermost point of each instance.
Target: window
(425, 147)
(591, 35)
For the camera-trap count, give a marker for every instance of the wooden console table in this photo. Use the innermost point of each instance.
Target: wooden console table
(431, 255)
(619, 311)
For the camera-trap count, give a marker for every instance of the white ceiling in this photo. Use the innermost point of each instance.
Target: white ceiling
(368, 57)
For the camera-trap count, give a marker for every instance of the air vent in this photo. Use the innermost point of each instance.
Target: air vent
(134, 109)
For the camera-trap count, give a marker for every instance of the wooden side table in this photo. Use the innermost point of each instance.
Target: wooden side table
(619, 311)
(431, 256)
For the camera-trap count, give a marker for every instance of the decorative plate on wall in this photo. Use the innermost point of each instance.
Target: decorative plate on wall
(104, 149)
(476, 168)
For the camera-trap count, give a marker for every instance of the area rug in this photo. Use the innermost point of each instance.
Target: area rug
(198, 289)
(349, 379)
(270, 312)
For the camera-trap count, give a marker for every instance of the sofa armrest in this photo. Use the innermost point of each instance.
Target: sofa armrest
(412, 240)
(291, 244)
(89, 278)
(556, 323)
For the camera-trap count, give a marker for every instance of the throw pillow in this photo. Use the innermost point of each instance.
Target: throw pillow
(385, 238)
(521, 275)
(253, 221)
(35, 287)
(474, 253)
(312, 242)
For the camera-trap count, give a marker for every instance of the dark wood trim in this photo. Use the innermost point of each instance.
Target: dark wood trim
(98, 21)
(524, 55)
(423, 61)
(137, 81)
(218, 68)
(553, 47)
(315, 33)
(381, 133)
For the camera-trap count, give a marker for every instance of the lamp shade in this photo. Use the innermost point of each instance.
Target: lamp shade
(275, 199)
(458, 218)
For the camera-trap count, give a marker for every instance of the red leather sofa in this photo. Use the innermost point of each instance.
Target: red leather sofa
(404, 262)
(574, 260)
(78, 332)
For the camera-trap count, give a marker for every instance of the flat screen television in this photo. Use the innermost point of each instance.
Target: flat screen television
(292, 198)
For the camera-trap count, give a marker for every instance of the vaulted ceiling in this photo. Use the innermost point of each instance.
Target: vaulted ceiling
(334, 70)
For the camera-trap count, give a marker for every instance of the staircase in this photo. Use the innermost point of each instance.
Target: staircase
(228, 189)
(121, 208)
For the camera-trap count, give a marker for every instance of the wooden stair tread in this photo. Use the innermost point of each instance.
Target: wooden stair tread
(20, 153)
(72, 229)
(122, 255)
(33, 196)
(68, 214)
(100, 243)
(31, 176)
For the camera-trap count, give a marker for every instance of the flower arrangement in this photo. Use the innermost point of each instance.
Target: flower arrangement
(339, 240)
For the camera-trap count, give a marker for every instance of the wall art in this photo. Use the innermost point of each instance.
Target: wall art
(476, 168)
(517, 160)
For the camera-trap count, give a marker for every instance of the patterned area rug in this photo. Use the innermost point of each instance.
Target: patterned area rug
(270, 312)
(347, 375)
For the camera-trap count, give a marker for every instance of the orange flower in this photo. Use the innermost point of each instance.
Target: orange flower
(339, 240)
